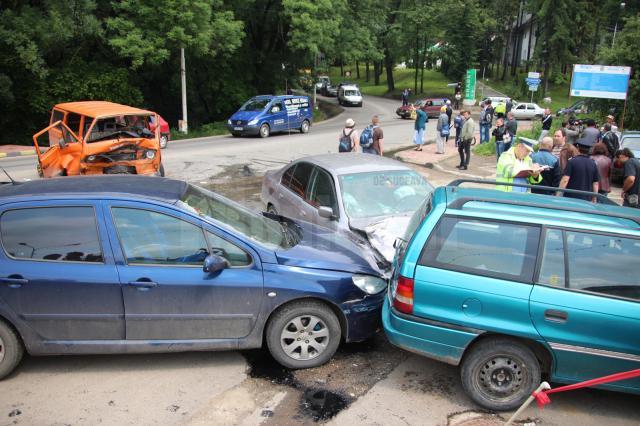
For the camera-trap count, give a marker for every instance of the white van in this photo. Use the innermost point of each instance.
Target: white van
(349, 95)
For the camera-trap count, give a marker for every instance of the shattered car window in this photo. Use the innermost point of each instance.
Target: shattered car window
(396, 192)
(236, 218)
(124, 126)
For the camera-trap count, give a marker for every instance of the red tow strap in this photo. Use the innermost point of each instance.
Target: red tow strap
(542, 397)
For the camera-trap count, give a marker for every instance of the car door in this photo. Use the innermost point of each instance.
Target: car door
(296, 193)
(520, 111)
(277, 116)
(478, 273)
(294, 118)
(586, 304)
(322, 193)
(531, 111)
(167, 295)
(58, 273)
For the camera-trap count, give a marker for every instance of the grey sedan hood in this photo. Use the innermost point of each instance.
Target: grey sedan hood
(382, 232)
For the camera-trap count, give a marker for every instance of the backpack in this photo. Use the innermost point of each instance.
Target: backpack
(366, 138)
(488, 116)
(345, 142)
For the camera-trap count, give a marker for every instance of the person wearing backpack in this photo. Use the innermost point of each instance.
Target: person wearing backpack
(610, 139)
(372, 137)
(443, 130)
(348, 137)
(420, 126)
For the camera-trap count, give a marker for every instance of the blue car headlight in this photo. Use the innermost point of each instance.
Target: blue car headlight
(369, 284)
(253, 122)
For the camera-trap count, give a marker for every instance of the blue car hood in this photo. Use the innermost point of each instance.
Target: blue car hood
(245, 115)
(322, 248)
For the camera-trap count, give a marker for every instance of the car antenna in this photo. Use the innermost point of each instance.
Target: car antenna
(13, 182)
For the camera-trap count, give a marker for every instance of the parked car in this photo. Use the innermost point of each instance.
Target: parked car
(527, 111)
(131, 264)
(336, 191)
(97, 137)
(165, 131)
(580, 107)
(517, 288)
(430, 105)
(495, 100)
(331, 91)
(349, 95)
(266, 114)
(629, 139)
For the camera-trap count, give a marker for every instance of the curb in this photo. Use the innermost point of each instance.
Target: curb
(18, 153)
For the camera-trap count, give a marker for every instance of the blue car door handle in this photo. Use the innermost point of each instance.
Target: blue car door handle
(14, 282)
(553, 315)
(143, 283)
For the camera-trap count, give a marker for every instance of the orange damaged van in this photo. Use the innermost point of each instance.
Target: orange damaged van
(97, 137)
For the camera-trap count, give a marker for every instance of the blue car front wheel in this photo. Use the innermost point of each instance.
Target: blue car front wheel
(303, 334)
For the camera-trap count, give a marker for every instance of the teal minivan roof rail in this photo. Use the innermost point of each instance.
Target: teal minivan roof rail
(458, 203)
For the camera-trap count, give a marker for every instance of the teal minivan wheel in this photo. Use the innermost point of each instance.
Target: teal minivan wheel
(264, 130)
(500, 374)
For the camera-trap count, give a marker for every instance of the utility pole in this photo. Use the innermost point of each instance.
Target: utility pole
(615, 29)
(183, 76)
(315, 78)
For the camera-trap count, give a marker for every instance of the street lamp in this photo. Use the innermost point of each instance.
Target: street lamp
(615, 29)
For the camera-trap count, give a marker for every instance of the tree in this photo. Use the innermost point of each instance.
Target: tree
(460, 50)
(625, 52)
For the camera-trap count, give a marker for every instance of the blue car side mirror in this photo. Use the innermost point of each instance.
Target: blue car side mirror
(214, 263)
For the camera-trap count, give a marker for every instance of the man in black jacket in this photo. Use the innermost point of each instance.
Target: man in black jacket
(610, 139)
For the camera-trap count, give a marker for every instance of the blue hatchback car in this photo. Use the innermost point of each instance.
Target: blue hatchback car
(263, 115)
(131, 264)
(516, 288)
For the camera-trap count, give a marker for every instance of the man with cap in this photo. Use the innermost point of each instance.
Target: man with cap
(348, 138)
(516, 166)
(581, 173)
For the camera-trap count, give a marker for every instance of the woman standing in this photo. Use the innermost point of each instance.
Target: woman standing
(603, 162)
(443, 130)
(419, 127)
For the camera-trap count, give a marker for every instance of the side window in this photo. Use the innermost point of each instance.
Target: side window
(604, 264)
(276, 107)
(323, 193)
(234, 254)
(552, 268)
(520, 107)
(530, 107)
(286, 176)
(300, 179)
(496, 249)
(154, 238)
(73, 122)
(57, 116)
(51, 233)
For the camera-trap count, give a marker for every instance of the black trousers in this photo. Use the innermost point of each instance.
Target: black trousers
(464, 149)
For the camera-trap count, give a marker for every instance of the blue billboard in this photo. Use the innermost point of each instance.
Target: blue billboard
(600, 81)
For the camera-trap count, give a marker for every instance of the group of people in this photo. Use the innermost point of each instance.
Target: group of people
(506, 125)
(370, 140)
(584, 165)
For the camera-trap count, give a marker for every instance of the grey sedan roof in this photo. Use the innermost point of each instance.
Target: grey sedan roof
(347, 163)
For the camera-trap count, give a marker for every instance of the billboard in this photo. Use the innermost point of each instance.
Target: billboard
(600, 81)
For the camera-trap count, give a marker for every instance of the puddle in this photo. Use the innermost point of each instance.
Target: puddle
(239, 183)
(321, 404)
(315, 403)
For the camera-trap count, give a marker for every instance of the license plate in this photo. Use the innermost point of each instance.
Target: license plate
(237, 128)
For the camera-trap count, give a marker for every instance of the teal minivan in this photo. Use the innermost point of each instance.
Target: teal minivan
(517, 288)
(266, 114)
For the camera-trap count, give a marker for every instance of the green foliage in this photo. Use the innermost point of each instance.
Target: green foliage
(626, 52)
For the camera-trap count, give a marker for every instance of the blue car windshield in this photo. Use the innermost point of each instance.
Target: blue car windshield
(237, 219)
(255, 104)
(396, 192)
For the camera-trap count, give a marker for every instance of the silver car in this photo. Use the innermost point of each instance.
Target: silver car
(527, 111)
(367, 196)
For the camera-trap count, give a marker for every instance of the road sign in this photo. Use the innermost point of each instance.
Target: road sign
(533, 88)
(600, 81)
(470, 85)
(533, 74)
(532, 81)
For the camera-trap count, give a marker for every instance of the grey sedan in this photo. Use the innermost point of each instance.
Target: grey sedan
(366, 196)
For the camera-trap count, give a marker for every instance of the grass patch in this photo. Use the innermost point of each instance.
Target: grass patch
(435, 83)
(325, 111)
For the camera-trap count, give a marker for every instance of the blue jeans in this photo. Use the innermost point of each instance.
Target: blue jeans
(500, 148)
(484, 133)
